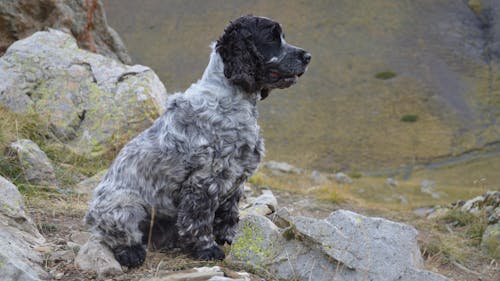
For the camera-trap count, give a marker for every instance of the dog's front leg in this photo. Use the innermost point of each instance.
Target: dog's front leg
(227, 217)
(196, 211)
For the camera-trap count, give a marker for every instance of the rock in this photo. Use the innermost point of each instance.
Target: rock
(62, 255)
(267, 198)
(438, 213)
(87, 185)
(80, 237)
(36, 166)
(18, 238)
(403, 200)
(427, 186)
(258, 210)
(342, 178)
(490, 241)
(255, 240)
(392, 182)
(195, 274)
(88, 101)
(84, 19)
(218, 278)
(318, 178)
(494, 215)
(344, 246)
(96, 257)
(282, 167)
(473, 205)
(423, 211)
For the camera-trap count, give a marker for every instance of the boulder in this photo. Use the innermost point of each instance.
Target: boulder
(344, 246)
(85, 20)
(18, 238)
(36, 166)
(95, 257)
(88, 101)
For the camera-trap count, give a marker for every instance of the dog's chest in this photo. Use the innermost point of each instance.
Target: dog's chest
(238, 144)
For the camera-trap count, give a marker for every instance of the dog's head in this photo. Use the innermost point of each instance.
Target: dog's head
(256, 56)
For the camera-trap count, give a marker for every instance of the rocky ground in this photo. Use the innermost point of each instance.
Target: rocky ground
(65, 112)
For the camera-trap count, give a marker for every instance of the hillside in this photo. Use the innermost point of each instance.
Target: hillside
(443, 56)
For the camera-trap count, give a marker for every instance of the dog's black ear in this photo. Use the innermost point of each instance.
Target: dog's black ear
(240, 56)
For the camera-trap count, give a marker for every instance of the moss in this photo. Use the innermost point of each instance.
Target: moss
(385, 75)
(250, 244)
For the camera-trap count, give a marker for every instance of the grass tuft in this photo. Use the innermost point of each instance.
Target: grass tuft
(410, 118)
(385, 75)
(475, 6)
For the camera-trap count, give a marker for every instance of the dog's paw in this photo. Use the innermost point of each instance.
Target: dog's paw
(130, 256)
(212, 253)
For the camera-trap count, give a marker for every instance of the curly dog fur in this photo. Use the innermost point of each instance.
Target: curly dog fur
(190, 165)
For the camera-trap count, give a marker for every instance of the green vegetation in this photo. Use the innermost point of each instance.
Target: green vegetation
(385, 75)
(475, 6)
(69, 166)
(410, 118)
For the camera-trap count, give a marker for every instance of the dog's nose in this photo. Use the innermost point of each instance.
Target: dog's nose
(306, 57)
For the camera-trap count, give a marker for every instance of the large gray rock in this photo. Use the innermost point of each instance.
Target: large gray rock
(84, 19)
(90, 102)
(344, 246)
(18, 237)
(97, 258)
(36, 166)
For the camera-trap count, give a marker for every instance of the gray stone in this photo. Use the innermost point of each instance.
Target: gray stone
(266, 198)
(428, 187)
(96, 257)
(87, 185)
(342, 178)
(258, 210)
(438, 213)
(36, 166)
(318, 178)
(383, 247)
(282, 167)
(21, 19)
(491, 240)
(392, 182)
(344, 246)
(88, 101)
(473, 205)
(80, 237)
(18, 238)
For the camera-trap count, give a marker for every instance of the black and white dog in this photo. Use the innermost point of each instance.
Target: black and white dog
(191, 164)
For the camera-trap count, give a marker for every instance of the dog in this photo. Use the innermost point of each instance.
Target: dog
(187, 170)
